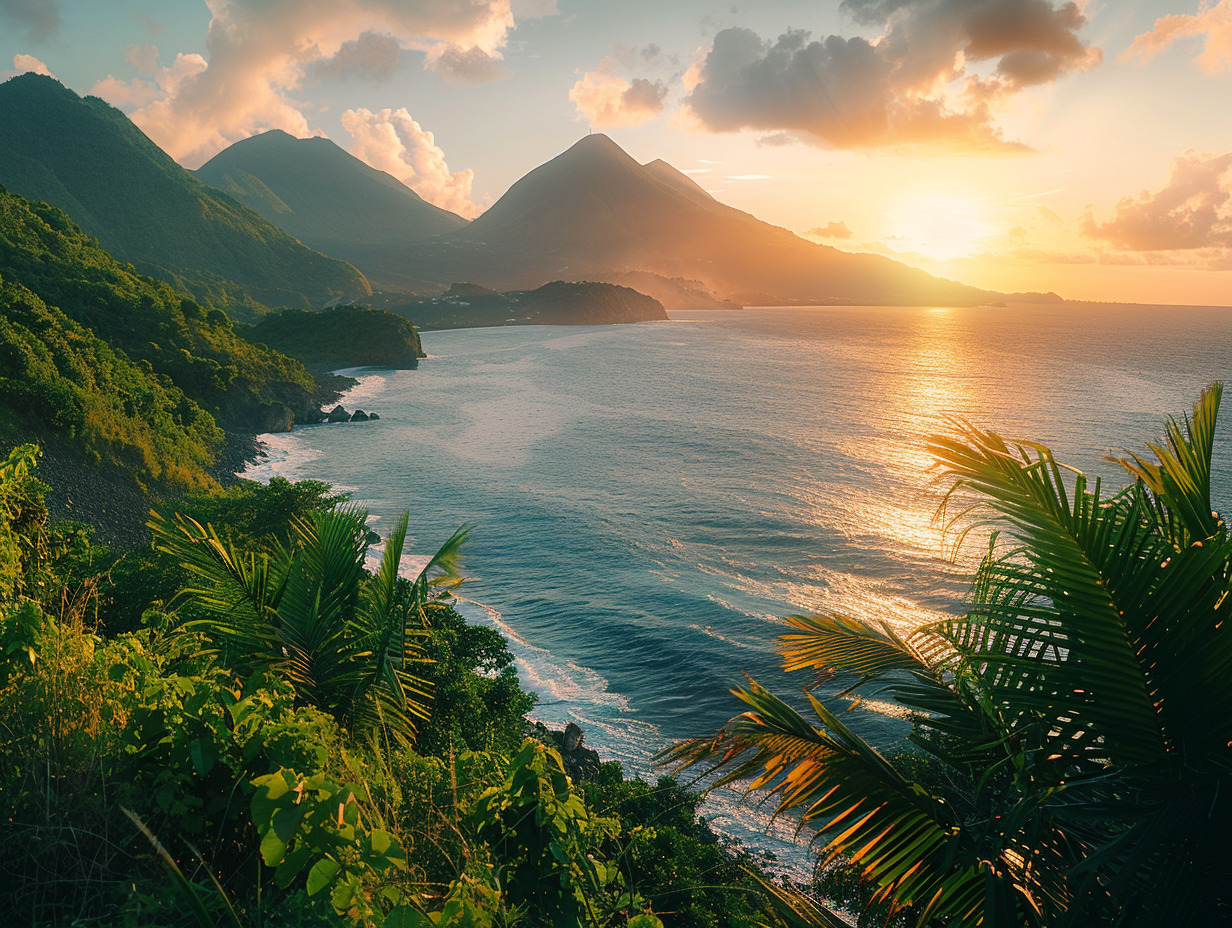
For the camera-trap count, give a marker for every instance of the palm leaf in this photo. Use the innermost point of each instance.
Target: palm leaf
(1052, 625)
(1181, 479)
(910, 845)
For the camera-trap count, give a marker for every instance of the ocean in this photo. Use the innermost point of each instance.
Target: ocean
(648, 500)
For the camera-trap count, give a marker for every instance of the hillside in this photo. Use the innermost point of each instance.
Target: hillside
(241, 385)
(594, 213)
(60, 384)
(88, 158)
(330, 200)
(556, 303)
(349, 336)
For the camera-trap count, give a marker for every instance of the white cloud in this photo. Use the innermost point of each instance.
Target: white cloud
(914, 84)
(606, 100)
(1192, 211)
(142, 57)
(39, 18)
(391, 141)
(467, 65)
(260, 52)
(23, 64)
(1211, 23)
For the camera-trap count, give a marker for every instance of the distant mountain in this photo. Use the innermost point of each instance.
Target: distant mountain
(330, 200)
(557, 303)
(595, 213)
(88, 158)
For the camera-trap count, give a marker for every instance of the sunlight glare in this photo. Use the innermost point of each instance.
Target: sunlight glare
(939, 227)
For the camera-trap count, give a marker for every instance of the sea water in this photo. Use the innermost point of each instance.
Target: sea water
(649, 500)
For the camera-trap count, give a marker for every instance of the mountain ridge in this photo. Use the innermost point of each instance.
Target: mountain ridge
(87, 158)
(328, 199)
(593, 212)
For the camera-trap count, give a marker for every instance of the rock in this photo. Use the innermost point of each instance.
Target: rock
(275, 417)
(373, 415)
(338, 414)
(359, 416)
(581, 763)
(572, 738)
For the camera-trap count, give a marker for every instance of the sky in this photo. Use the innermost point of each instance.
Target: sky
(1083, 148)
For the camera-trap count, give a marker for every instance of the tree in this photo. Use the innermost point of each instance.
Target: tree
(1077, 719)
(311, 613)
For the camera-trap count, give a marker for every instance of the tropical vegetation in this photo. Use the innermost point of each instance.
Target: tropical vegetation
(1072, 730)
(243, 724)
(153, 323)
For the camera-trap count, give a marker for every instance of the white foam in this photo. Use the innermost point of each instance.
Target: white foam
(283, 454)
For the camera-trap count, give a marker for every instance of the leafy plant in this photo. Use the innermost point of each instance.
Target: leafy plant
(311, 613)
(1079, 707)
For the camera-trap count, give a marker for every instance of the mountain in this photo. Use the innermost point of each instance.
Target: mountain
(595, 213)
(88, 158)
(330, 200)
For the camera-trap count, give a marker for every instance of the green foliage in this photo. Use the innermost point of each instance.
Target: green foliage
(547, 848)
(255, 516)
(1077, 717)
(348, 336)
(311, 825)
(477, 704)
(152, 323)
(171, 775)
(680, 866)
(58, 379)
(311, 613)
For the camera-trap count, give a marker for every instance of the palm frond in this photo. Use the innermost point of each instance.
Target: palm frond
(1052, 626)
(845, 643)
(909, 844)
(1181, 477)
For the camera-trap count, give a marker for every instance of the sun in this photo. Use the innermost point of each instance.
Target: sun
(939, 227)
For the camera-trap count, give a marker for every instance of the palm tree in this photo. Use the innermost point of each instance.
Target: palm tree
(1077, 720)
(310, 612)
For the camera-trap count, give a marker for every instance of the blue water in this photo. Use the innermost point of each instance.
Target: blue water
(648, 499)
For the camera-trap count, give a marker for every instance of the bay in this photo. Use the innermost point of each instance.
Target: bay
(648, 500)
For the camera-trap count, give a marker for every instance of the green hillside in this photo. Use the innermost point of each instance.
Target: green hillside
(349, 336)
(88, 158)
(61, 383)
(152, 322)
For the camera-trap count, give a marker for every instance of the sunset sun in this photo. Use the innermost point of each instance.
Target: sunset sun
(939, 227)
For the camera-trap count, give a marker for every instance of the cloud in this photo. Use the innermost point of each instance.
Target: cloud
(371, 57)
(28, 63)
(1214, 23)
(162, 83)
(260, 52)
(142, 57)
(468, 65)
(127, 95)
(830, 230)
(39, 18)
(391, 141)
(1192, 211)
(604, 99)
(914, 84)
